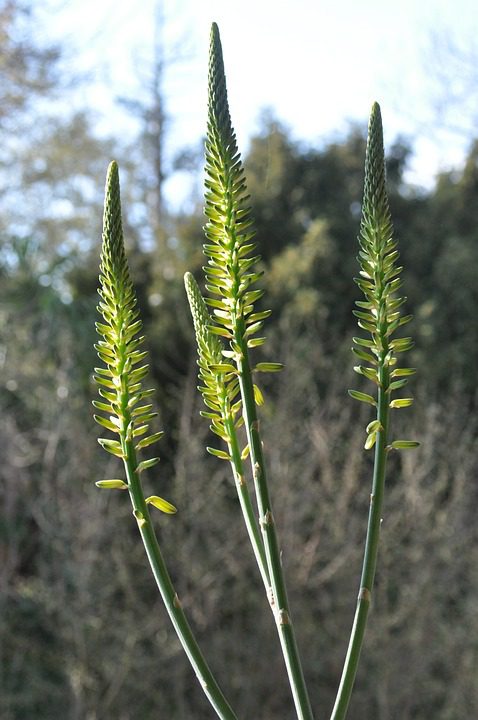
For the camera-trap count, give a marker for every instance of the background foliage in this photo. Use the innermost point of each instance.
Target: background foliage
(83, 635)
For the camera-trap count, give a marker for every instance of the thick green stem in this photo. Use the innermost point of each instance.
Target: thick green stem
(279, 601)
(168, 593)
(370, 556)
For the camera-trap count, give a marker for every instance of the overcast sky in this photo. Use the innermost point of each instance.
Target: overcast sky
(317, 63)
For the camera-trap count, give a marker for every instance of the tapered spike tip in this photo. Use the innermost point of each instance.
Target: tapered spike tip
(113, 244)
(200, 315)
(112, 171)
(375, 198)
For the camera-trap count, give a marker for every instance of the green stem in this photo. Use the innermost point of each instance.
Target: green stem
(279, 601)
(166, 588)
(246, 503)
(370, 555)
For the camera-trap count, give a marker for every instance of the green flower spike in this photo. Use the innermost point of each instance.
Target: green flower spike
(127, 413)
(120, 382)
(220, 385)
(380, 317)
(219, 389)
(379, 313)
(230, 271)
(230, 276)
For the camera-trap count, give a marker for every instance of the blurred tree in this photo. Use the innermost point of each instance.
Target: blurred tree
(72, 576)
(27, 71)
(439, 240)
(51, 161)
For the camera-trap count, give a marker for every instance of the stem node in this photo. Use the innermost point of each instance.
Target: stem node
(140, 519)
(365, 595)
(267, 520)
(283, 617)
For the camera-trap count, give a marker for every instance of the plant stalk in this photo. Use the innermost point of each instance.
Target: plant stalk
(370, 555)
(278, 599)
(166, 587)
(246, 503)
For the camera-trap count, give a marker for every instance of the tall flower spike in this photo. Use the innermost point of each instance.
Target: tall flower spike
(120, 381)
(120, 386)
(379, 316)
(220, 383)
(230, 274)
(219, 390)
(379, 313)
(230, 269)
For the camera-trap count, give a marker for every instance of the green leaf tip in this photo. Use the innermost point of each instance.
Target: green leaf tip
(111, 484)
(258, 396)
(374, 426)
(363, 397)
(111, 446)
(401, 403)
(404, 444)
(221, 454)
(370, 441)
(145, 464)
(161, 504)
(269, 367)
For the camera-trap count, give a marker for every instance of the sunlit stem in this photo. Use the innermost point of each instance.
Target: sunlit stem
(279, 600)
(166, 587)
(245, 502)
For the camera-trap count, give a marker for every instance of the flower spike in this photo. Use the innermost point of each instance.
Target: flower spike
(230, 275)
(120, 382)
(230, 270)
(120, 386)
(379, 316)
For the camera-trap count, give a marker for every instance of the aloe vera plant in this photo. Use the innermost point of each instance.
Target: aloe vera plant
(226, 325)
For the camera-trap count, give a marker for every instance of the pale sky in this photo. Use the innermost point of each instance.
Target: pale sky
(317, 63)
